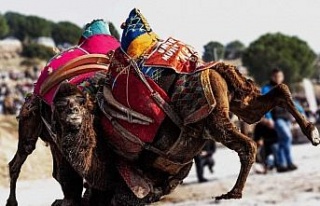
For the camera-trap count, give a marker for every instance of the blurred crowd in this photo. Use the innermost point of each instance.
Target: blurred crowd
(15, 85)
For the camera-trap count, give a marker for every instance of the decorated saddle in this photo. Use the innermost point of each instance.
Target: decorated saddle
(139, 44)
(95, 39)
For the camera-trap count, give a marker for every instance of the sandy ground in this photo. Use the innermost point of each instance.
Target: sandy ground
(301, 187)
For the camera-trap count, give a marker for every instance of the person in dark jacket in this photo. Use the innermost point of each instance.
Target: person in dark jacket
(267, 141)
(205, 159)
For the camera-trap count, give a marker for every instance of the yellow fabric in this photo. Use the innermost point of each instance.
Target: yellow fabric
(141, 44)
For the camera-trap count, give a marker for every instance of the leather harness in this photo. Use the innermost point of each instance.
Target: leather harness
(97, 62)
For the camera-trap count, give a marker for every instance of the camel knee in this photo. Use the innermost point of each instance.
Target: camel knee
(248, 153)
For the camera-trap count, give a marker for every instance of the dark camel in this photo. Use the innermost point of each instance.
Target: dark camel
(232, 93)
(31, 128)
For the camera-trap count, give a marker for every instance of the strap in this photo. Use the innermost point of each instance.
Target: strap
(157, 97)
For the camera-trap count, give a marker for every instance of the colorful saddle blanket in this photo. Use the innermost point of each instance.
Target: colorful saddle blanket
(129, 90)
(176, 55)
(96, 44)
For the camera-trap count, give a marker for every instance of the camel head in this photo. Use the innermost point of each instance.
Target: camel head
(70, 106)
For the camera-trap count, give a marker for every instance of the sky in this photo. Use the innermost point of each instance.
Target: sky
(196, 22)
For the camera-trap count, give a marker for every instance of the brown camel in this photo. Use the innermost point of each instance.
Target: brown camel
(81, 142)
(167, 160)
(181, 135)
(232, 93)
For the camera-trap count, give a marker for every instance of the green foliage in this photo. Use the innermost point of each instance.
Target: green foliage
(66, 32)
(213, 51)
(27, 27)
(234, 50)
(114, 32)
(290, 54)
(17, 24)
(37, 27)
(4, 28)
(37, 51)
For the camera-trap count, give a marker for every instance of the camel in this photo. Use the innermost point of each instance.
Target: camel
(85, 148)
(36, 115)
(181, 135)
(31, 127)
(166, 161)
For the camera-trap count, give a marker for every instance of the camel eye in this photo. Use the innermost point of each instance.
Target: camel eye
(61, 104)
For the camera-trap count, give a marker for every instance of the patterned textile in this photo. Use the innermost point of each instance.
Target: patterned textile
(98, 43)
(137, 36)
(96, 27)
(129, 90)
(176, 55)
(155, 73)
(188, 96)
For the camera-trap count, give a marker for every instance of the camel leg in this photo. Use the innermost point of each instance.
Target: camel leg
(70, 181)
(25, 148)
(222, 130)
(225, 132)
(279, 96)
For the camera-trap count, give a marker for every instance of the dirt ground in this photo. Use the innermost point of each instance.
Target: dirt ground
(38, 165)
(300, 187)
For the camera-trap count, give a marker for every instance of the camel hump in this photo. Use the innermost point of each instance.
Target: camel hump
(95, 39)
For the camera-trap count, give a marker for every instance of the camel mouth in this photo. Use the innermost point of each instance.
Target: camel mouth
(74, 119)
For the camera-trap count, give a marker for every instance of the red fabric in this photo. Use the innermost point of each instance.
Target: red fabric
(98, 44)
(139, 99)
(175, 55)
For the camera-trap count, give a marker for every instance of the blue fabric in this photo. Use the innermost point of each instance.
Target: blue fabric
(135, 26)
(96, 27)
(299, 107)
(265, 89)
(285, 142)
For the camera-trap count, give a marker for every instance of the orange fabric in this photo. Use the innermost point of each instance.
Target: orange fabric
(176, 55)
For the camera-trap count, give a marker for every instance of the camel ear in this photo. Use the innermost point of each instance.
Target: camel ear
(67, 89)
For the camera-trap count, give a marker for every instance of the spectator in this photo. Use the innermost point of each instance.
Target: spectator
(267, 141)
(279, 119)
(205, 159)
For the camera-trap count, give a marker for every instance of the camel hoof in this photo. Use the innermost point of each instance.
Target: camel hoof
(315, 138)
(57, 203)
(12, 203)
(65, 202)
(230, 195)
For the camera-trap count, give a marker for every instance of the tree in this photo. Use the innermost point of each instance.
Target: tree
(213, 51)
(4, 28)
(288, 53)
(114, 32)
(66, 32)
(27, 27)
(37, 51)
(37, 27)
(234, 50)
(17, 24)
